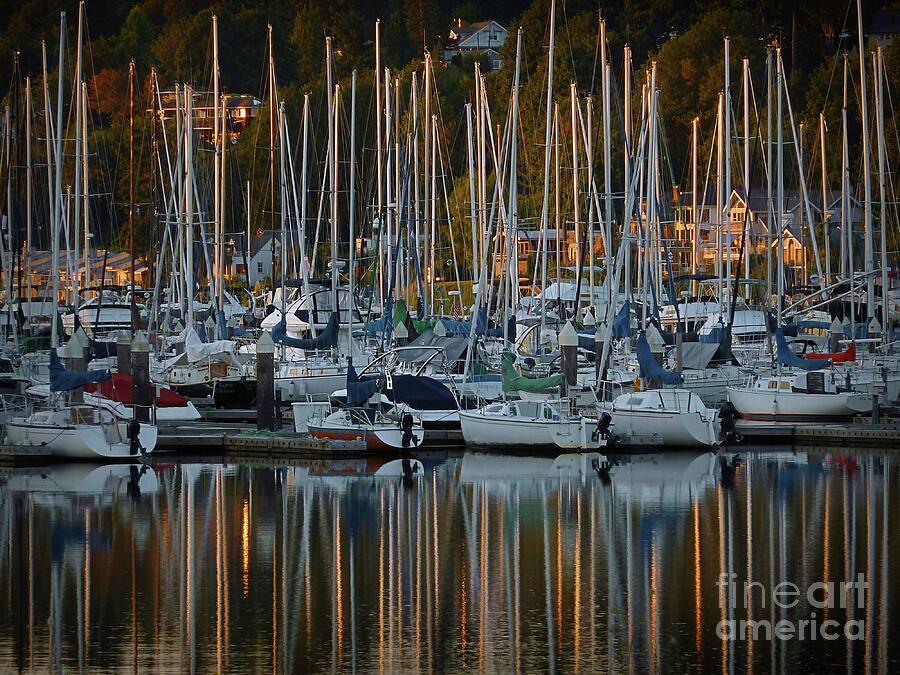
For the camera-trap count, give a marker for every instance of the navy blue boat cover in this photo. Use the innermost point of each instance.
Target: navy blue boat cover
(788, 358)
(421, 392)
(359, 390)
(66, 380)
(649, 367)
(327, 339)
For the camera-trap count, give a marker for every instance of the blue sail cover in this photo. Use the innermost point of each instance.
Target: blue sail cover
(101, 350)
(66, 380)
(359, 390)
(421, 392)
(789, 358)
(650, 369)
(622, 321)
(327, 339)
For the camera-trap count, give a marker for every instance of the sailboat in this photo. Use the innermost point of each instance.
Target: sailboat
(814, 392)
(79, 431)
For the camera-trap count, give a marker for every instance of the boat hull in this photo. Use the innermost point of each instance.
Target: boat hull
(644, 427)
(490, 431)
(797, 406)
(79, 441)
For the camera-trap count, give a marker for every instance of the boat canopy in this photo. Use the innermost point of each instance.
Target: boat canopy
(650, 369)
(327, 339)
(359, 389)
(787, 357)
(420, 392)
(515, 381)
(66, 380)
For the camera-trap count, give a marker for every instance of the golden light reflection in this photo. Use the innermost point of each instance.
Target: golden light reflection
(381, 585)
(245, 548)
(339, 588)
(826, 544)
(576, 607)
(698, 594)
(87, 581)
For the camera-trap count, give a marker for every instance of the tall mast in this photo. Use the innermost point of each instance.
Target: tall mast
(86, 187)
(626, 216)
(76, 94)
(825, 223)
(48, 136)
(548, 130)
(867, 169)
(695, 243)
(188, 192)
(352, 260)
(779, 76)
(131, 187)
(720, 180)
(769, 168)
(428, 187)
(29, 111)
(334, 200)
(379, 158)
(882, 211)
(846, 224)
(57, 192)
(745, 235)
(473, 214)
(272, 103)
(513, 212)
(726, 205)
(576, 192)
(607, 155)
(218, 133)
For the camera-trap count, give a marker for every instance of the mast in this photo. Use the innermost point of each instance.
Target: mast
(86, 189)
(473, 213)
(334, 200)
(825, 222)
(576, 193)
(76, 94)
(607, 157)
(726, 205)
(29, 112)
(548, 129)
(379, 157)
(513, 202)
(429, 187)
(218, 133)
(352, 260)
(695, 244)
(780, 187)
(188, 192)
(272, 103)
(867, 169)
(769, 203)
(131, 188)
(48, 136)
(720, 170)
(57, 193)
(626, 216)
(745, 235)
(882, 211)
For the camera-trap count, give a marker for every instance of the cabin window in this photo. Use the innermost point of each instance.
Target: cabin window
(773, 384)
(785, 385)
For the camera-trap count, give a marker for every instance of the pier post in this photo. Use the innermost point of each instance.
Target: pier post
(140, 370)
(568, 349)
(76, 360)
(123, 354)
(837, 332)
(265, 382)
(874, 334)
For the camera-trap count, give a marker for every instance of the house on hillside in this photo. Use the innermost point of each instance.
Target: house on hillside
(483, 37)
(884, 27)
(254, 265)
(240, 110)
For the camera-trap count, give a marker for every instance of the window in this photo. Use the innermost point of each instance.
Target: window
(259, 267)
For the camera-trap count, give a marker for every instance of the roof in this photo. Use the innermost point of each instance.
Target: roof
(885, 22)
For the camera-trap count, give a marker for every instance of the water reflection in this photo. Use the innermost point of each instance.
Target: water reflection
(474, 562)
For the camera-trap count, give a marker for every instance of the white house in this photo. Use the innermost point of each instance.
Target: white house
(483, 37)
(259, 265)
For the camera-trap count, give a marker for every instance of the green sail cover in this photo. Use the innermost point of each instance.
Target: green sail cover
(400, 314)
(515, 381)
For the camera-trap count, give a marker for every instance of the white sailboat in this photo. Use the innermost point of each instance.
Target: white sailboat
(529, 424)
(675, 417)
(805, 396)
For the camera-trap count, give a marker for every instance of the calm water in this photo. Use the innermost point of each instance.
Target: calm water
(486, 563)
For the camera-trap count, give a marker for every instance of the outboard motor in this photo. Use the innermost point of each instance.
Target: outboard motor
(134, 437)
(603, 424)
(728, 417)
(406, 425)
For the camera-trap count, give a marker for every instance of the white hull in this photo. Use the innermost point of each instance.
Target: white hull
(379, 434)
(81, 441)
(486, 430)
(789, 405)
(643, 427)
